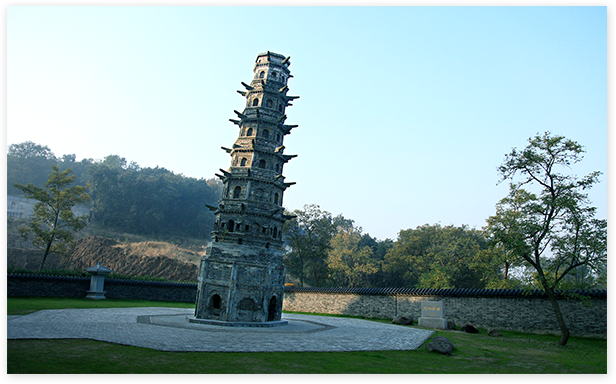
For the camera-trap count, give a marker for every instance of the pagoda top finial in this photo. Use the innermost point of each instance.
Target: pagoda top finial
(273, 58)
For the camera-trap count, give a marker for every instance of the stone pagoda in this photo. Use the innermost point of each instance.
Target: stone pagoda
(241, 276)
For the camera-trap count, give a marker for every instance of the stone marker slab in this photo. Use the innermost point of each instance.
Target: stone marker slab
(432, 315)
(432, 309)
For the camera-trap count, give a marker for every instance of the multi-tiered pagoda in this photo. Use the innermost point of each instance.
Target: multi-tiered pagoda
(241, 277)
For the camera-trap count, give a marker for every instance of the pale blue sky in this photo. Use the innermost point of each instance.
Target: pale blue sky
(404, 112)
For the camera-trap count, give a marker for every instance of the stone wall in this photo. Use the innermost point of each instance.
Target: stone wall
(65, 286)
(502, 309)
(46, 286)
(515, 312)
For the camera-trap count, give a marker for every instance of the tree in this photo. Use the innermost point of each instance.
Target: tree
(546, 221)
(499, 260)
(400, 262)
(432, 256)
(149, 201)
(53, 219)
(350, 263)
(28, 149)
(27, 162)
(308, 236)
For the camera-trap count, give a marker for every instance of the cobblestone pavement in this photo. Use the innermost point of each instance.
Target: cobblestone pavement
(167, 329)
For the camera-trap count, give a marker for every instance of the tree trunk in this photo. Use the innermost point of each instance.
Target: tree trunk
(301, 273)
(552, 296)
(559, 316)
(53, 235)
(45, 255)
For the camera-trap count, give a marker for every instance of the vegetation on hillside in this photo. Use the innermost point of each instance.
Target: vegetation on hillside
(153, 202)
(132, 204)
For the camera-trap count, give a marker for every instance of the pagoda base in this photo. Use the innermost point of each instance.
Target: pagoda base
(240, 284)
(267, 324)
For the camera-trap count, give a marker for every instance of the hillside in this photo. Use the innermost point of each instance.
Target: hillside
(148, 258)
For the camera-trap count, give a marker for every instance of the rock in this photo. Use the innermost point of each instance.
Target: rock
(469, 328)
(451, 324)
(494, 332)
(403, 320)
(440, 344)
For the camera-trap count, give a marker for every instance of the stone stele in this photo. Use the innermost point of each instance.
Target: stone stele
(432, 315)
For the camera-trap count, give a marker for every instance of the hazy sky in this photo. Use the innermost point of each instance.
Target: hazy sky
(404, 112)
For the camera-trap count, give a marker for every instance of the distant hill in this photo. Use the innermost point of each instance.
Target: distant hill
(150, 258)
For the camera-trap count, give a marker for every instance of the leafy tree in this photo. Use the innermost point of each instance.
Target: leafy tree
(325, 249)
(27, 163)
(149, 201)
(350, 263)
(216, 185)
(497, 271)
(400, 263)
(449, 260)
(381, 278)
(53, 220)
(499, 260)
(308, 237)
(29, 150)
(108, 201)
(552, 231)
(432, 256)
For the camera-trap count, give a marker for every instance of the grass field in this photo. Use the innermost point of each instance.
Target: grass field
(514, 353)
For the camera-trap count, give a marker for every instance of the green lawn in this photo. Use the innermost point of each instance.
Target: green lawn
(25, 305)
(475, 353)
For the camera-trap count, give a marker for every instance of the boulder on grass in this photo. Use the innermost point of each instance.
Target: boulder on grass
(494, 332)
(441, 345)
(469, 328)
(451, 324)
(403, 320)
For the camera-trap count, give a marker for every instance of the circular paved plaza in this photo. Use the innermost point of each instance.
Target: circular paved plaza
(168, 329)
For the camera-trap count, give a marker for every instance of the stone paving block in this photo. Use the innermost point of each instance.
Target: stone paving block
(167, 329)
